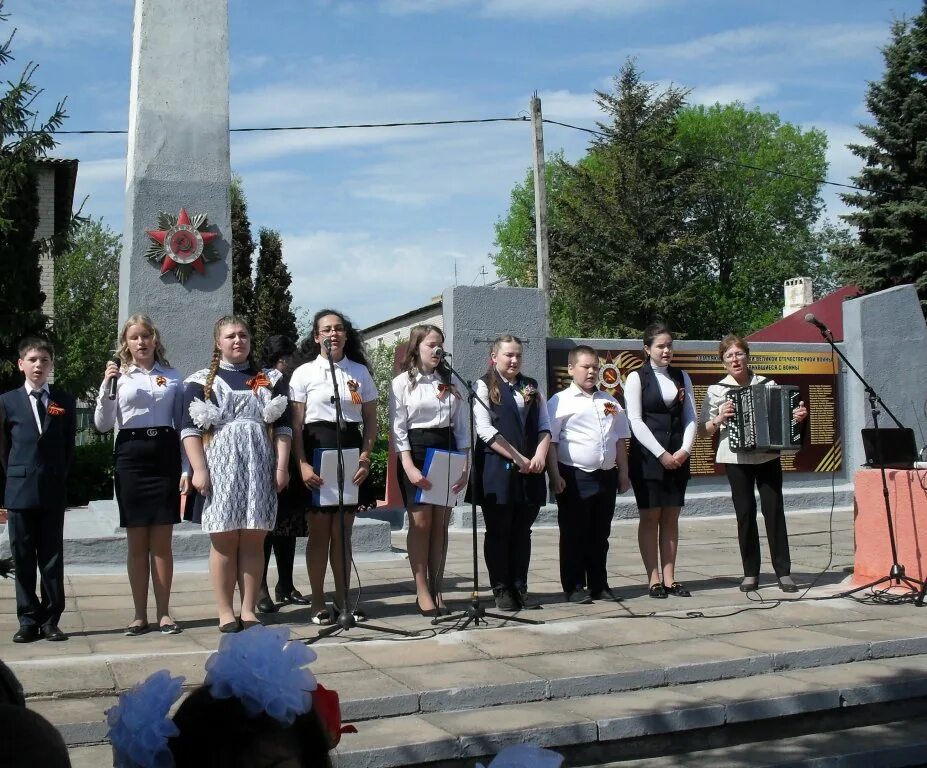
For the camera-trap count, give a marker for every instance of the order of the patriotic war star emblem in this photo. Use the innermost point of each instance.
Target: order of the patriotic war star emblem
(181, 244)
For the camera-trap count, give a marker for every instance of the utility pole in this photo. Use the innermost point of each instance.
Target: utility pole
(540, 207)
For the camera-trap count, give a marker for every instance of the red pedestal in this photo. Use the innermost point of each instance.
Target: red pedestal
(907, 494)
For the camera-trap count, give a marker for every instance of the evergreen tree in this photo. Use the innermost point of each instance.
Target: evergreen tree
(24, 138)
(891, 214)
(242, 251)
(273, 312)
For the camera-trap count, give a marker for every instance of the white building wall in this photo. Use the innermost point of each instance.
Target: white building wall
(46, 228)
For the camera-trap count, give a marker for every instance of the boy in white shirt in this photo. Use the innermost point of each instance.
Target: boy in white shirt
(587, 465)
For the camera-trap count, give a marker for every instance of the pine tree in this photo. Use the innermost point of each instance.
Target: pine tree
(24, 138)
(242, 251)
(892, 212)
(273, 313)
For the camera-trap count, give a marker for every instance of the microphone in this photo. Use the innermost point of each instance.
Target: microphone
(439, 353)
(327, 343)
(809, 318)
(111, 384)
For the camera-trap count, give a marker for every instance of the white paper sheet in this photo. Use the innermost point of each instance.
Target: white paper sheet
(442, 468)
(325, 464)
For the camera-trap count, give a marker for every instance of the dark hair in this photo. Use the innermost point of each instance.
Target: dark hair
(11, 690)
(581, 349)
(37, 343)
(310, 349)
(653, 330)
(27, 739)
(219, 732)
(275, 348)
(495, 395)
(412, 362)
(732, 340)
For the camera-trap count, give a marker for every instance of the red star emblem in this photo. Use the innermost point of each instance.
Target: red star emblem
(182, 244)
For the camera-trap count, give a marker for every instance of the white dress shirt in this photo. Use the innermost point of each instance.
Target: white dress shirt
(311, 384)
(714, 398)
(420, 407)
(586, 428)
(483, 418)
(632, 400)
(144, 399)
(34, 402)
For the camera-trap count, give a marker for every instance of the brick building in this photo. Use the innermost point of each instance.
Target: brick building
(55, 180)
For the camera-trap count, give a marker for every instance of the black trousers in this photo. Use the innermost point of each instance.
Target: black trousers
(767, 477)
(37, 541)
(584, 514)
(284, 548)
(507, 544)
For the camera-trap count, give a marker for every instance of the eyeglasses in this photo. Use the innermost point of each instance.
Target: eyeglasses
(735, 356)
(331, 329)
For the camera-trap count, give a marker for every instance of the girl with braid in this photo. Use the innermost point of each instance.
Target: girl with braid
(509, 465)
(236, 434)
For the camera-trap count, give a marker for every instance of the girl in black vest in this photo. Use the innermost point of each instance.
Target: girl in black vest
(510, 460)
(661, 409)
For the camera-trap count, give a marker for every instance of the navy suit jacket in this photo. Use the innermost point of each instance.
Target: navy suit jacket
(36, 465)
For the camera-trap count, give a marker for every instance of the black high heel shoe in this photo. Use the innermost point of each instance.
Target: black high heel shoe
(431, 613)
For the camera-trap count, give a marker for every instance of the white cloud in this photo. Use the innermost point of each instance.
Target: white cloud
(62, 23)
(525, 10)
(842, 164)
(725, 93)
(567, 105)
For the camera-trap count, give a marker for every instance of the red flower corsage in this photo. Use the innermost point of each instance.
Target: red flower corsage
(327, 707)
(54, 409)
(353, 386)
(256, 382)
(443, 389)
(610, 409)
(682, 394)
(161, 381)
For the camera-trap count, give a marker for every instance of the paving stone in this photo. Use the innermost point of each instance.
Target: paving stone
(468, 684)
(370, 693)
(399, 741)
(128, 672)
(80, 721)
(606, 633)
(437, 650)
(886, 638)
(583, 673)
(91, 757)
(697, 659)
(42, 678)
(650, 711)
(869, 682)
(522, 641)
(795, 647)
(486, 731)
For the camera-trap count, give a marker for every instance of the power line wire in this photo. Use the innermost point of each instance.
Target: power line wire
(726, 161)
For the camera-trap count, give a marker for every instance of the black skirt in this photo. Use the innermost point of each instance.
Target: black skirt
(323, 434)
(292, 504)
(420, 440)
(148, 477)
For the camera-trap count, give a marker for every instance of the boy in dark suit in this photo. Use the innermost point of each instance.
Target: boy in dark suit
(37, 430)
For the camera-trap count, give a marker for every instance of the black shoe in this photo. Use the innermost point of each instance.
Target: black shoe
(606, 594)
(526, 601)
(505, 601)
(51, 632)
(428, 613)
(787, 585)
(266, 605)
(749, 584)
(27, 634)
(231, 627)
(249, 624)
(134, 630)
(294, 597)
(579, 596)
(658, 591)
(677, 589)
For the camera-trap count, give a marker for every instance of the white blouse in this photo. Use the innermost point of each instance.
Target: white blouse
(424, 406)
(143, 399)
(632, 400)
(483, 418)
(311, 384)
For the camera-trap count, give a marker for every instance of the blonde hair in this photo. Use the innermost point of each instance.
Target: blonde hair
(493, 384)
(122, 348)
(216, 352)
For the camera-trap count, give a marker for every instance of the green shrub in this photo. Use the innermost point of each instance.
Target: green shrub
(91, 474)
(379, 458)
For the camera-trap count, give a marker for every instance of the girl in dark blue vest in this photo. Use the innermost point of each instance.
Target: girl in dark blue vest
(509, 469)
(661, 409)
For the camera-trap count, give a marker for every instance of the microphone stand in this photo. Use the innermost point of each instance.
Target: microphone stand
(345, 621)
(897, 573)
(475, 613)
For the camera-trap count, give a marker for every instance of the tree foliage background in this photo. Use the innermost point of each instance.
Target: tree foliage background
(25, 137)
(242, 253)
(273, 313)
(891, 214)
(667, 216)
(86, 306)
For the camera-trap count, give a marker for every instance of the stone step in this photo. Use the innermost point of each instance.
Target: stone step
(475, 674)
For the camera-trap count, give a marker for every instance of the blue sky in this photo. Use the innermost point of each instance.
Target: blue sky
(375, 221)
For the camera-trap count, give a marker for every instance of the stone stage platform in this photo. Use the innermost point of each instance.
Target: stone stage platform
(716, 679)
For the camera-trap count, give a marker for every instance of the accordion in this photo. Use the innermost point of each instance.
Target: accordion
(762, 419)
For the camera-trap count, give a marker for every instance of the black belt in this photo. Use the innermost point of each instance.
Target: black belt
(143, 432)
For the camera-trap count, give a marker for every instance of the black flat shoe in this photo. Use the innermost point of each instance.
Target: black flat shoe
(266, 605)
(787, 585)
(231, 627)
(658, 591)
(527, 601)
(506, 601)
(51, 632)
(606, 594)
(292, 598)
(134, 630)
(27, 635)
(579, 597)
(677, 589)
(749, 584)
(249, 624)
(170, 629)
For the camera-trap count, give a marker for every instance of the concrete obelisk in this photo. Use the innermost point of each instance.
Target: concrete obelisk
(178, 160)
